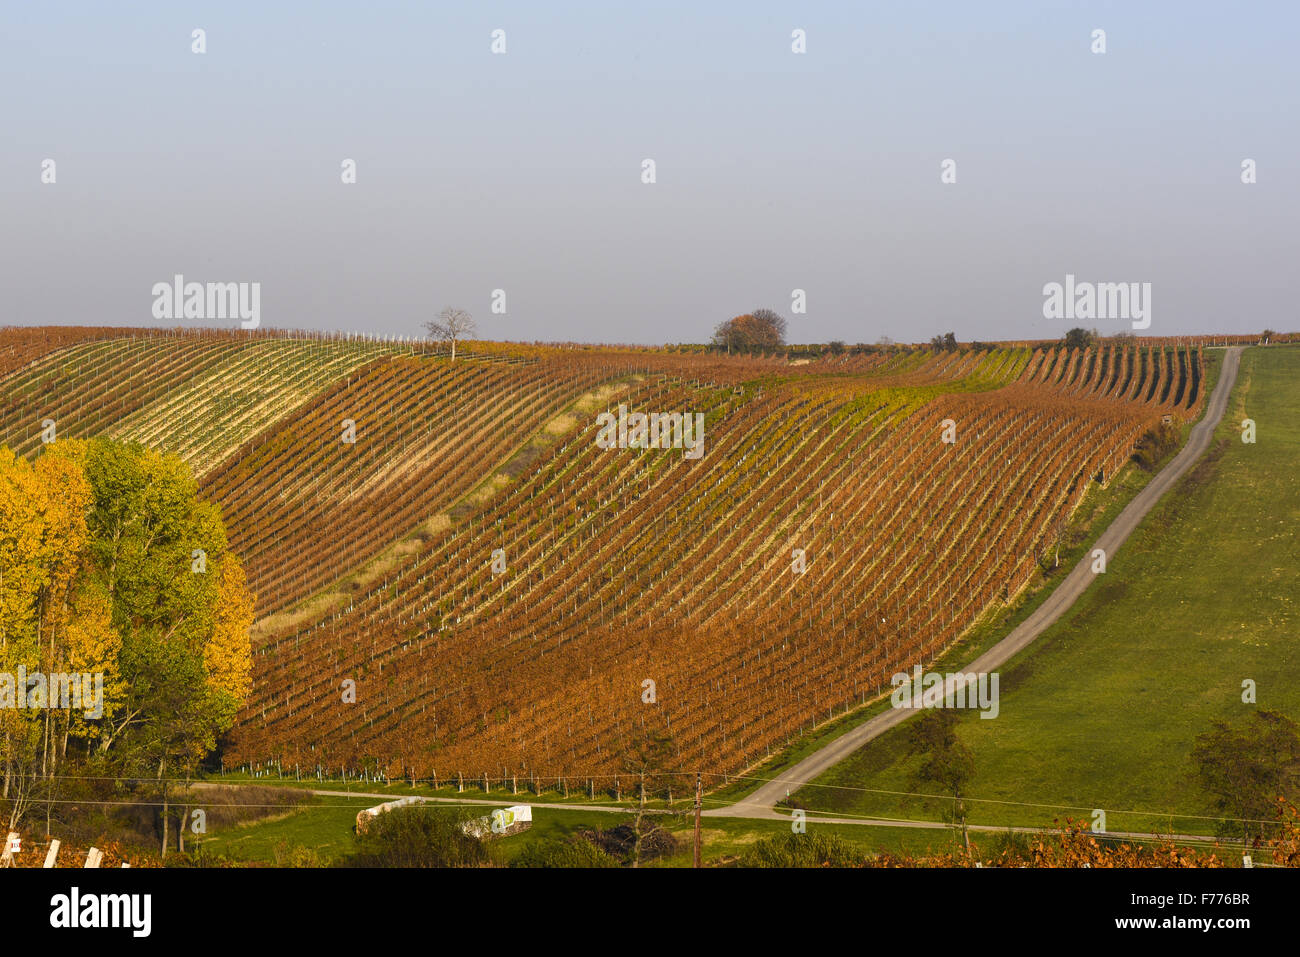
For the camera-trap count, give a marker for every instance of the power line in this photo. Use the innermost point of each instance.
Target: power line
(944, 797)
(306, 781)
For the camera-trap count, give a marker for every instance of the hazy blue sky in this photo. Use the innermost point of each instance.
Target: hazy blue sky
(775, 171)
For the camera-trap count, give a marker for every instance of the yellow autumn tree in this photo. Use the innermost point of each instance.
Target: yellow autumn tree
(226, 654)
(24, 553)
(115, 574)
(43, 553)
(93, 646)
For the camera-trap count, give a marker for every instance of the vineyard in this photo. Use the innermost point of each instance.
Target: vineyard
(503, 591)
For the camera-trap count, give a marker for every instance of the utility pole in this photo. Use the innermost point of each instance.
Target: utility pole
(698, 801)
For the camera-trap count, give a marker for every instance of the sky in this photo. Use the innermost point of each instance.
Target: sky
(774, 171)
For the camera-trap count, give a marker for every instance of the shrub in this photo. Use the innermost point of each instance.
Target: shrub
(803, 850)
(1158, 442)
(1012, 845)
(565, 852)
(419, 837)
(620, 842)
(296, 855)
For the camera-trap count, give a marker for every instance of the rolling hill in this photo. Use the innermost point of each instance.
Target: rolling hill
(509, 597)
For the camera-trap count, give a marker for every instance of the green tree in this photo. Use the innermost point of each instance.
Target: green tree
(646, 754)
(946, 762)
(1246, 768)
(1078, 338)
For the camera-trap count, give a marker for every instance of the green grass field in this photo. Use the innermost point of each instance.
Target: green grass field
(1103, 710)
(323, 824)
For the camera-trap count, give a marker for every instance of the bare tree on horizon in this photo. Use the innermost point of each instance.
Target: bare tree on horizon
(451, 326)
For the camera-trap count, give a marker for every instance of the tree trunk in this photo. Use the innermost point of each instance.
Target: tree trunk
(163, 785)
(961, 817)
(636, 847)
